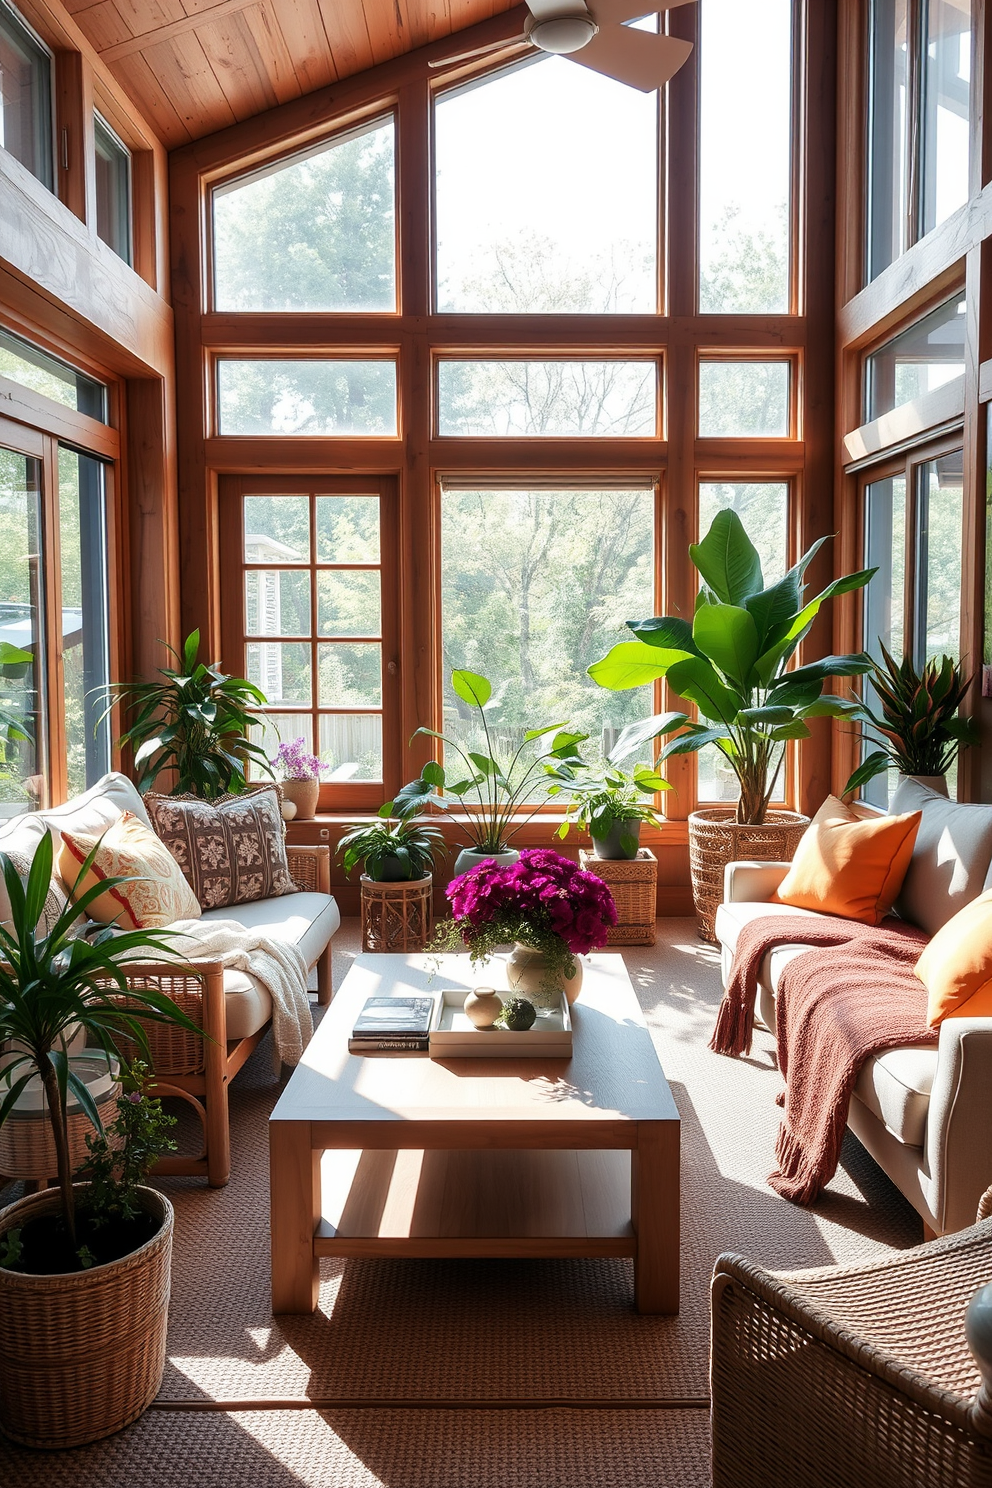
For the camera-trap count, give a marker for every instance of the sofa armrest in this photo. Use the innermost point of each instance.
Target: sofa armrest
(310, 868)
(959, 1122)
(747, 882)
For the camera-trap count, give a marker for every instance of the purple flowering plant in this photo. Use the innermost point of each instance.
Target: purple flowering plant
(295, 762)
(544, 900)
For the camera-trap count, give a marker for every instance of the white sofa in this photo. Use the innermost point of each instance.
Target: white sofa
(232, 1008)
(923, 1112)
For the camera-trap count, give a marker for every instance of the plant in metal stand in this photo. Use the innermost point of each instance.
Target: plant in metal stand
(918, 723)
(495, 789)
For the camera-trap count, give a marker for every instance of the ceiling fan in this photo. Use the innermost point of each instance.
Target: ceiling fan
(595, 35)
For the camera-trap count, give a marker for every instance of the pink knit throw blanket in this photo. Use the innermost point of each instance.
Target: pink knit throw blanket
(853, 994)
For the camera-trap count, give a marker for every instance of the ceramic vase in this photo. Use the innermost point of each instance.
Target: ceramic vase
(470, 858)
(529, 974)
(610, 848)
(303, 794)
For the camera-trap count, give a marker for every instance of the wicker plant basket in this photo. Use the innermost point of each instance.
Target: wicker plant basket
(716, 839)
(27, 1147)
(633, 882)
(82, 1354)
(397, 916)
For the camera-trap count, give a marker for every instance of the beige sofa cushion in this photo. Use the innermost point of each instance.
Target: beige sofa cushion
(896, 1086)
(951, 858)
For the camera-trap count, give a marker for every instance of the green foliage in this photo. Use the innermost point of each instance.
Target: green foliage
(734, 664)
(53, 985)
(122, 1154)
(195, 722)
(607, 799)
(413, 845)
(496, 786)
(918, 721)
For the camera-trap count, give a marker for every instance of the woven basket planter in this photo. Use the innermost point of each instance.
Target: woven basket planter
(397, 916)
(82, 1354)
(716, 839)
(633, 882)
(27, 1147)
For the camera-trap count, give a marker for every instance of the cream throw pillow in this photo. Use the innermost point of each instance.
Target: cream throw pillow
(158, 893)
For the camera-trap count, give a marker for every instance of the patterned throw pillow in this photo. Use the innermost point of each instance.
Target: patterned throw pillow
(158, 894)
(231, 850)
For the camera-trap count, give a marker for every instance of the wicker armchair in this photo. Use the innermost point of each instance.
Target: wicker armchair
(852, 1374)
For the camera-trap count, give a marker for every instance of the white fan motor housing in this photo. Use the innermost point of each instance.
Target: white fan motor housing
(563, 34)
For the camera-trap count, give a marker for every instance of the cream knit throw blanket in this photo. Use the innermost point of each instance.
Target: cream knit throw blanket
(280, 968)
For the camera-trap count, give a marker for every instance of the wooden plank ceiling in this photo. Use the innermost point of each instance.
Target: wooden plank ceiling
(195, 66)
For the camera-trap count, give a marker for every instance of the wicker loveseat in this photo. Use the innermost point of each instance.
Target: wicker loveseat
(232, 1008)
(924, 1112)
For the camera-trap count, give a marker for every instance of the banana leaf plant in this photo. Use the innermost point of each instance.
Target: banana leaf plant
(492, 787)
(53, 985)
(918, 722)
(195, 722)
(732, 661)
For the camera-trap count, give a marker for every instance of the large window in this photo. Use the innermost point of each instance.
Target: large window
(25, 96)
(23, 731)
(486, 398)
(919, 86)
(306, 397)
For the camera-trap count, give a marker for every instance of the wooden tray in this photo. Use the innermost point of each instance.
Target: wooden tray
(454, 1036)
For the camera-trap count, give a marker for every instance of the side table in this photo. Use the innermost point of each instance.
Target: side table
(633, 882)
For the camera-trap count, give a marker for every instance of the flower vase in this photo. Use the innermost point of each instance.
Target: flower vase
(303, 794)
(529, 974)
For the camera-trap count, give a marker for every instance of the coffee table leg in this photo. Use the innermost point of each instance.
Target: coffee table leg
(654, 1209)
(294, 1188)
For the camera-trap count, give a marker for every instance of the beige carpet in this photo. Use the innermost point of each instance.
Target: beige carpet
(395, 1334)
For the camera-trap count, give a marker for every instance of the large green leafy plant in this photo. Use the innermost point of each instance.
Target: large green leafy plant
(53, 985)
(194, 722)
(917, 721)
(494, 786)
(733, 662)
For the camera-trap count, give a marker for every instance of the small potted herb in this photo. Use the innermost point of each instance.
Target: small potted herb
(298, 772)
(611, 806)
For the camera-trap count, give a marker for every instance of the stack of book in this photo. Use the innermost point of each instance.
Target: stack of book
(393, 1025)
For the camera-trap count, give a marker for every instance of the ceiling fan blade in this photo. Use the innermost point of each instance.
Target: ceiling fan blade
(546, 10)
(494, 46)
(639, 58)
(606, 12)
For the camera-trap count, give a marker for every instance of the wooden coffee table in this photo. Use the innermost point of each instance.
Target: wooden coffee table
(477, 1157)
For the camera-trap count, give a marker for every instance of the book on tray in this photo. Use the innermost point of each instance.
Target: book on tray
(393, 1025)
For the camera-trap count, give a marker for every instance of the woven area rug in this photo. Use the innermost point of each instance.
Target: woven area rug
(428, 1372)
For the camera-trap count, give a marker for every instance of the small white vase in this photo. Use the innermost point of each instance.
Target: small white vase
(470, 858)
(530, 975)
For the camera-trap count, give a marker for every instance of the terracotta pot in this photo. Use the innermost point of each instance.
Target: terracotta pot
(82, 1353)
(529, 974)
(303, 794)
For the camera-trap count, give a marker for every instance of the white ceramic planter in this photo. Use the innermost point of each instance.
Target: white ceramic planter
(470, 858)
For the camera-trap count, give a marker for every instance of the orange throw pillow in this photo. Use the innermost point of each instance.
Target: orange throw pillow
(956, 967)
(850, 862)
(157, 894)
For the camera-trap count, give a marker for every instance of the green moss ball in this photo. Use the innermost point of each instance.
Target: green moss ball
(518, 1014)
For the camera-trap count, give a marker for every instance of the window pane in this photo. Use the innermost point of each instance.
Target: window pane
(34, 369)
(307, 398)
(745, 167)
(613, 399)
(348, 603)
(888, 166)
(743, 398)
(885, 595)
(347, 529)
(763, 507)
(281, 670)
(350, 676)
(316, 232)
(272, 729)
(277, 602)
(535, 586)
(946, 86)
(85, 617)
(546, 192)
(25, 98)
(113, 189)
(940, 505)
(351, 744)
(22, 684)
(916, 361)
(277, 529)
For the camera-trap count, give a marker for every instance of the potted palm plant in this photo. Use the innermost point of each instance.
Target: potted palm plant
(733, 662)
(397, 884)
(496, 789)
(65, 1279)
(918, 723)
(194, 722)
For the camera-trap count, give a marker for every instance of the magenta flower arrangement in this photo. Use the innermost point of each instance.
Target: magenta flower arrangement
(544, 901)
(295, 762)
